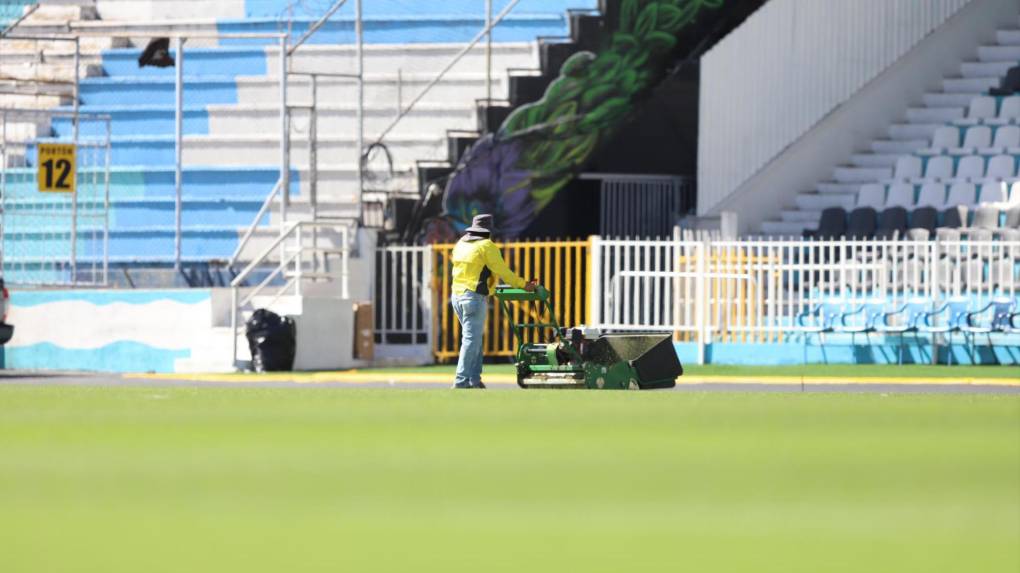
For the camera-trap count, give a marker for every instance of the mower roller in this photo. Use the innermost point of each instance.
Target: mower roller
(581, 357)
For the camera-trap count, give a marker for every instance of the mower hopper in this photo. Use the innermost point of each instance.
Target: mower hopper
(585, 358)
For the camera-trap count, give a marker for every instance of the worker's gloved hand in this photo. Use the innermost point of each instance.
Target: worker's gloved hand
(531, 286)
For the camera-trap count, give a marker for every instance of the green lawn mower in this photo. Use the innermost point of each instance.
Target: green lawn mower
(580, 357)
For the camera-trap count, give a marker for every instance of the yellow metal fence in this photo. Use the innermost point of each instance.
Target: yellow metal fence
(562, 266)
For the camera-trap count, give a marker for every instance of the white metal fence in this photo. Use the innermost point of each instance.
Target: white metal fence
(59, 236)
(753, 290)
(403, 294)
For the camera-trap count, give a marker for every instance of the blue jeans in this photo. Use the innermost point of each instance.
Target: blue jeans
(471, 309)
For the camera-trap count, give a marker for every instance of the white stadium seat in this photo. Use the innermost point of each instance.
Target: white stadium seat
(1006, 137)
(977, 137)
(939, 167)
(900, 195)
(962, 194)
(872, 195)
(946, 137)
(1001, 167)
(981, 108)
(908, 167)
(971, 167)
(993, 192)
(1009, 112)
(1014, 193)
(932, 195)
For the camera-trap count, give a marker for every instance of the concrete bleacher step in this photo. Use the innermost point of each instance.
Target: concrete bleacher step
(1008, 37)
(943, 99)
(837, 187)
(389, 89)
(999, 53)
(846, 174)
(46, 72)
(898, 147)
(341, 119)
(934, 114)
(969, 85)
(985, 69)
(811, 201)
(800, 216)
(874, 159)
(33, 101)
(913, 131)
(785, 228)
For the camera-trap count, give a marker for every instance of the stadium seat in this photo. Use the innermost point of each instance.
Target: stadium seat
(981, 108)
(993, 317)
(986, 217)
(862, 223)
(871, 195)
(993, 192)
(860, 320)
(1006, 138)
(962, 194)
(977, 137)
(925, 218)
(1009, 112)
(939, 168)
(818, 319)
(971, 168)
(903, 319)
(1014, 193)
(1001, 167)
(832, 225)
(946, 319)
(1012, 218)
(892, 223)
(946, 138)
(952, 218)
(900, 195)
(908, 168)
(932, 195)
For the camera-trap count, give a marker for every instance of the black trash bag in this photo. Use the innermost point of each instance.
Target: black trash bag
(272, 340)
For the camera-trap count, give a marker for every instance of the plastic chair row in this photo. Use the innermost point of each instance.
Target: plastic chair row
(920, 316)
(939, 195)
(987, 109)
(978, 139)
(944, 167)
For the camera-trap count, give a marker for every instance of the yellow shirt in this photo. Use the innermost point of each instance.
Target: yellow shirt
(475, 263)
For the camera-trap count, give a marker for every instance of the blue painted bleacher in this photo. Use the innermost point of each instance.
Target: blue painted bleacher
(220, 200)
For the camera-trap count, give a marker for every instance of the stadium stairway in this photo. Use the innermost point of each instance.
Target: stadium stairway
(912, 136)
(231, 116)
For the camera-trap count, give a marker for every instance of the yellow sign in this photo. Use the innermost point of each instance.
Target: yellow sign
(58, 162)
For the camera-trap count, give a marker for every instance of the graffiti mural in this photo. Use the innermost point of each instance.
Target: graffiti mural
(516, 171)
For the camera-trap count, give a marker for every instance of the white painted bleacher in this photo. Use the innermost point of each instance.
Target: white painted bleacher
(957, 135)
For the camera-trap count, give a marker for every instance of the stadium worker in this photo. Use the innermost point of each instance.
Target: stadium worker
(476, 260)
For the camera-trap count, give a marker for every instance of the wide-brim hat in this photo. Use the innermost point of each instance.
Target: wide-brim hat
(480, 224)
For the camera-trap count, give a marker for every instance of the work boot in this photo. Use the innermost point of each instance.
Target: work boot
(480, 386)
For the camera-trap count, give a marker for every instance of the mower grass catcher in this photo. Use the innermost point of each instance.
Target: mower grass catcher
(581, 357)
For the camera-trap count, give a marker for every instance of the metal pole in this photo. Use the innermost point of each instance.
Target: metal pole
(3, 188)
(359, 32)
(106, 208)
(488, 51)
(178, 148)
(284, 138)
(313, 167)
(74, 194)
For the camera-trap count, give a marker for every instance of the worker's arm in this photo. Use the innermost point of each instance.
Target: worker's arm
(494, 261)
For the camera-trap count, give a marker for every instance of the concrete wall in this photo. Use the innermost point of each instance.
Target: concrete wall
(850, 125)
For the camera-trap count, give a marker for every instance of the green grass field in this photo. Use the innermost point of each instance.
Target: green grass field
(160, 479)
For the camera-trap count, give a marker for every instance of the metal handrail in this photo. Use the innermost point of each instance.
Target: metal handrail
(289, 230)
(13, 25)
(250, 231)
(487, 29)
(315, 27)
